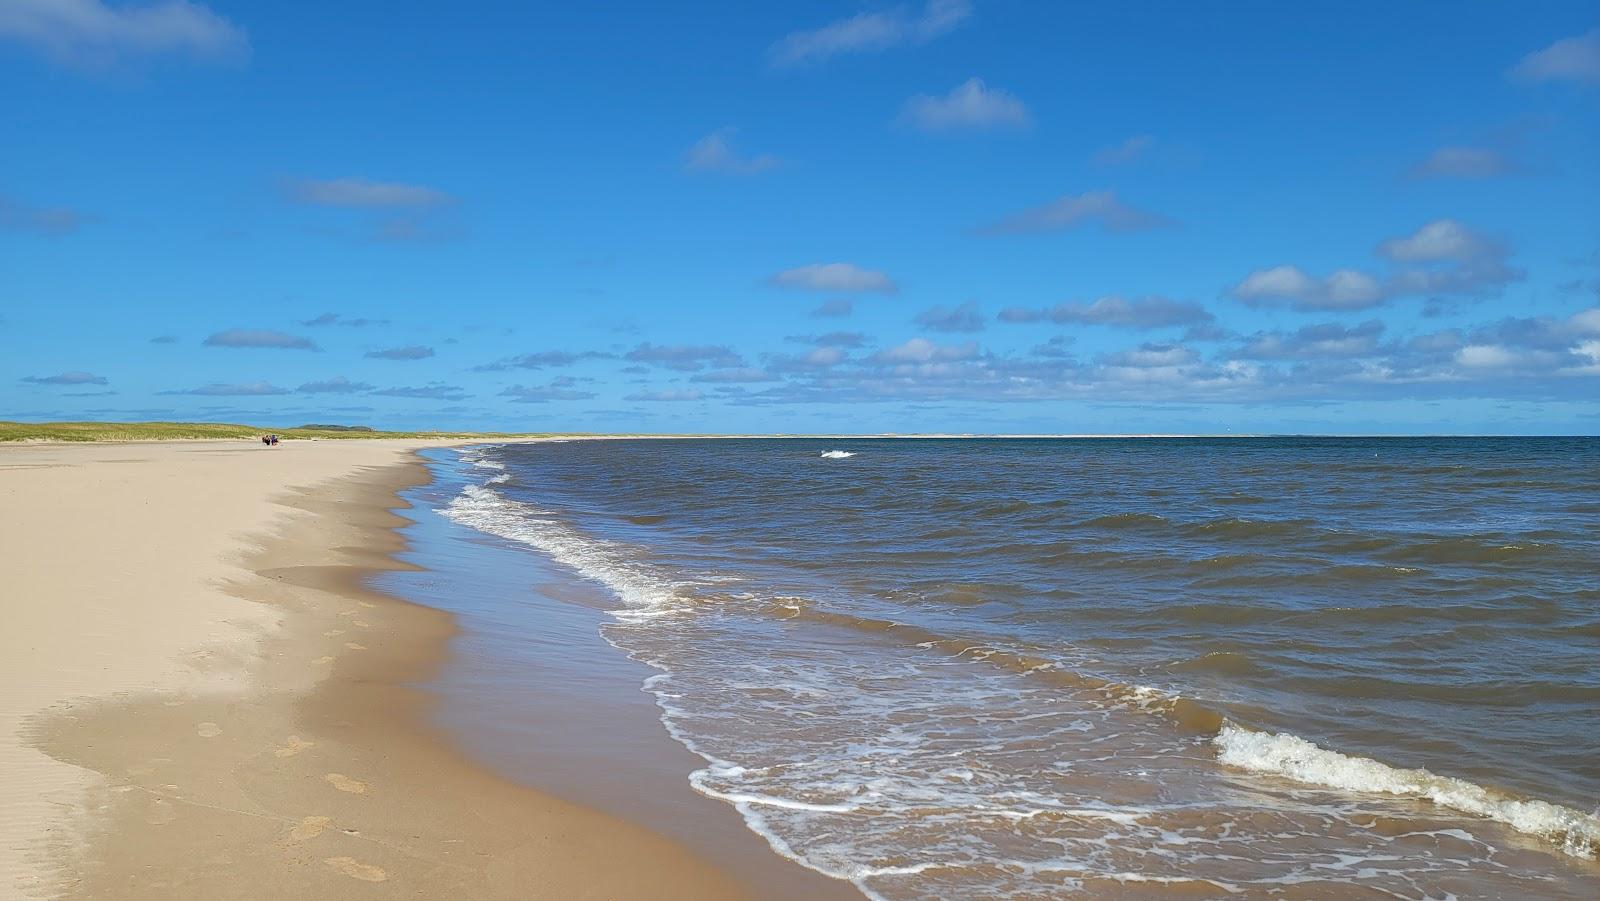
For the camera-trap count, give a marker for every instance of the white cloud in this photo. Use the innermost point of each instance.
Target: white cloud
(921, 350)
(1343, 289)
(1441, 257)
(743, 375)
(1439, 240)
(684, 357)
(1153, 356)
(88, 32)
(714, 153)
(1570, 59)
(970, 105)
(1485, 356)
(965, 318)
(539, 394)
(1465, 162)
(410, 352)
(336, 385)
(364, 193)
(66, 378)
(1073, 211)
(1328, 340)
(871, 31)
(841, 277)
(251, 337)
(245, 389)
(1138, 313)
(667, 395)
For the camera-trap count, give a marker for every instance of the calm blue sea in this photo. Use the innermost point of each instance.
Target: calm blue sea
(995, 667)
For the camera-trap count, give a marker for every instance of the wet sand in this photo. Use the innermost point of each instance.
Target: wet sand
(199, 697)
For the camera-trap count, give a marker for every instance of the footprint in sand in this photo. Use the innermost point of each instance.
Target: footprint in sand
(309, 828)
(208, 730)
(294, 745)
(354, 646)
(321, 661)
(332, 633)
(160, 812)
(366, 603)
(346, 784)
(355, 869)
(362, 623)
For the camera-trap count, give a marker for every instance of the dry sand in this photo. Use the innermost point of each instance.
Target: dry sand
(199, 699)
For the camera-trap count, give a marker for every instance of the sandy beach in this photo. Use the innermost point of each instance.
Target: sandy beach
(199, 698)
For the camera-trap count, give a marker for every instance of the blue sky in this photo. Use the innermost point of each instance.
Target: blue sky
(820, 217)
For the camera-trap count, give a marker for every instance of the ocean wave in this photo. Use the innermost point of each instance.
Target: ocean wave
(781, 805)
(644, 594)
(1293, 757)
(837, 455)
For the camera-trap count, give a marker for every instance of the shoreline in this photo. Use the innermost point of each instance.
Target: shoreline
(290, 752)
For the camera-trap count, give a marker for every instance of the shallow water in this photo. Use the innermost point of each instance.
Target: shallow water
(1023, 667)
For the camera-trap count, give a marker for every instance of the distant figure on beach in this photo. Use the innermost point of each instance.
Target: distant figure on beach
(269, 440)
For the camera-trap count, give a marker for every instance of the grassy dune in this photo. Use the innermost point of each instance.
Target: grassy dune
(173, 431)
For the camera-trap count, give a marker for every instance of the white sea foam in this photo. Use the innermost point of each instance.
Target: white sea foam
(837, 455)
(1287, 755)
(643, 594)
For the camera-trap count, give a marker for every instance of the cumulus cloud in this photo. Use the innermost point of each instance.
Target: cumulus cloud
(336, 319)
(242, 389)
(409, 352)
(364, 193)
(964, 318)
(16, 216)
(89, 32)
(1343, 289)
(742, 375)
(66, 378)
(870, 31)
(1442, 239)
(839, 277)
(558, 389)
(969, 105)
(267, 338)
(815, 359)
(337, 385)
(715, 153)
(684, 357)
(921, 350)
(1137, 313)
(1540, 357)
(1124, 152)
(1441, 257)
(435, 391)
(836, 308)
(1152, 356)
(1575, 59)
(1466, 163)
(542, 359)
(1075, 211)
(831, 339)
(667, 395)
(1322, 341)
